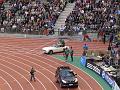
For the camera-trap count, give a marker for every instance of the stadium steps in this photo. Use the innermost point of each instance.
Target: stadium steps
(61, 20)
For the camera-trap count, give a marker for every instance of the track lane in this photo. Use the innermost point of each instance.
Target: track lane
(43, 77)
(4, 84)
(38, 68)
(27, 63)
(29, 44)
(13, 82)
(80, 80)
(24, 72)
(35, 51)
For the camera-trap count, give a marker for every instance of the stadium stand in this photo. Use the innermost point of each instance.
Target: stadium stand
(37, 17)
(30, 16)
(94, 16)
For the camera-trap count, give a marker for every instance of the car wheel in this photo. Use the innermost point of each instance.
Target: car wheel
(76, 86)
(50, 52)
(61, 85)
(57, 81)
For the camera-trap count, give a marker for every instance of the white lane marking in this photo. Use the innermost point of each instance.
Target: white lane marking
(23, 70)
(20, 75)
(30, 66)
(6, 82)
(17, 46)
(12, 77)
(33, 59)
(74, 66)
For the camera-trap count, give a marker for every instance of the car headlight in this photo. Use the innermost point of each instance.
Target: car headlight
(44, 51)
(64, 81)
(76, 80)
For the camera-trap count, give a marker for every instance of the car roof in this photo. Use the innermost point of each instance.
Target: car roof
(64, 67)
(66, 73)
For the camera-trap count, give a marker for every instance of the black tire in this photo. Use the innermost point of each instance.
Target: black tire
(76, 86)
(61, 85)
(50, 52)
(57, 81)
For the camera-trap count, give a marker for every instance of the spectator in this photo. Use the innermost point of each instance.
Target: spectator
(36, 15)
(93, 15)
(62, 28)
(92, 59)
(61, 42)
(111, 39)
(109, 49)
(84, 33)
(118, 55)
(31, 15)
(66, 52)
(85, 49)
(104, 38)
(32, 73)
(71, 53)
(113, 52)
(1, 2)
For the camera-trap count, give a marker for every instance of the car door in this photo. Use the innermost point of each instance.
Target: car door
(59, 49)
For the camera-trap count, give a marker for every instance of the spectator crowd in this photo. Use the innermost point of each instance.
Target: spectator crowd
(92, 15)
(37, 17)
(30, 16)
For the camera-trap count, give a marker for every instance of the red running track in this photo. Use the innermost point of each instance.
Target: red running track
(18, 55)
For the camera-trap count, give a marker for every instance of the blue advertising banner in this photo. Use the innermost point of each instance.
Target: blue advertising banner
(116, 87)
(83, 60)
(101, 72)
(108, 79)
(94, 67)
(97, 69)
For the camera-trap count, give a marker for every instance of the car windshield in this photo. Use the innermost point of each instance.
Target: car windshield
(55, 45)
(67, 73)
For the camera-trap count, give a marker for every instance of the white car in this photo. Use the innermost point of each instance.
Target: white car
(54, 49)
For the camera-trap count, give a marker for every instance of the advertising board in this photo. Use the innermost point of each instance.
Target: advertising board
(108, 79)
(94, 67)
(97, 69)
(100, 72)
(83, 60)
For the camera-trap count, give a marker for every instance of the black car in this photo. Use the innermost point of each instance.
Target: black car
(66, 77)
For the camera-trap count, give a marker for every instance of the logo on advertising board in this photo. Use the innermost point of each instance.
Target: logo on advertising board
(83, 60)
(94, 68)
(108, 79)
(116, 87)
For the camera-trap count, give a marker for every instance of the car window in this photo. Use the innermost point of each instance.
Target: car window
(55, 45)
(58, 45)
(66, 73)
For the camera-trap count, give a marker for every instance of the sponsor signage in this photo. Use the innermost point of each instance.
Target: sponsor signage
(116, 87)
(94, 68)
(108, 79)
(101, 72)
(83, 60)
